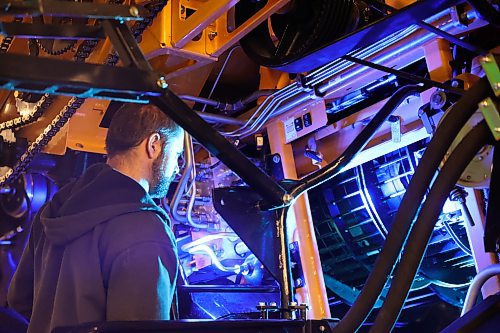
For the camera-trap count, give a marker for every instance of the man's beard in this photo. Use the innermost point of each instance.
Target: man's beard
(160, 182)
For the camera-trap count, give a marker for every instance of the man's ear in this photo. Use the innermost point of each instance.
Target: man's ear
(153, 146)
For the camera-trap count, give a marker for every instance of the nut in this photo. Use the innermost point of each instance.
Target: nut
(134, 11)
(212, 35)
(162, 83)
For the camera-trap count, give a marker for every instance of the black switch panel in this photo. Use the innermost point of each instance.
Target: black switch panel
(307, 119)
(298, 124)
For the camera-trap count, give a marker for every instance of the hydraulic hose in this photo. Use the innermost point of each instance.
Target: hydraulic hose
(424, 226)
(450, 126)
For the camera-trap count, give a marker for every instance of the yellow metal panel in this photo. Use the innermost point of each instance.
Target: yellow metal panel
(314, 291)
(438, 57)
(224, 39)
(185, 30)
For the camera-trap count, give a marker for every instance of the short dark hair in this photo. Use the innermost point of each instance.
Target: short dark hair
(133, 123)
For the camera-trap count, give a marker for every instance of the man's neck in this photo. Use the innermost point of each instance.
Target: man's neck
(130, 170)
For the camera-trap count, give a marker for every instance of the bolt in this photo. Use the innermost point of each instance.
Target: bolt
(486, 59)
(134, 11)
(212, 35)
(276, 158)
(455, 83)
(496, 86)
(162, 83)
(322, 328)
(298, 281)
(287, 198)
(293, 303)
(497, 129)
(484, 103)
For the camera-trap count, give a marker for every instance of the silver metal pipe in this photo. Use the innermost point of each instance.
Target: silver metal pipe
(477, 284)
(357, 70)
(188, 174)
(181, 186)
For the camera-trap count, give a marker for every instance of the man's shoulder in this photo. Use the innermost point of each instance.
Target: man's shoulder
(137, 227)
(127, 231)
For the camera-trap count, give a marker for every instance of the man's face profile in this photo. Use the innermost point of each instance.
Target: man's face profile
(165, 167)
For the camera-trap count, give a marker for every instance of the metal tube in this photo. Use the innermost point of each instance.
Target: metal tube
(408, 76)
(184, 179)
(387, 51)
(477, 283)
(189, 173)
(189, 211)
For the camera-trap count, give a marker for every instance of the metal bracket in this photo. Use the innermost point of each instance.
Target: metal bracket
(404, 75)
(489, 110)
(490, 66)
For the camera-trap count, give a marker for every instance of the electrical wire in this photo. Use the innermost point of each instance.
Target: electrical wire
(424, 226)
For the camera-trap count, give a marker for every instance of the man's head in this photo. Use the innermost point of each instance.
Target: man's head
(145, 144)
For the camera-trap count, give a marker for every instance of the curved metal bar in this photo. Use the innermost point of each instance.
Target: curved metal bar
(477, 284)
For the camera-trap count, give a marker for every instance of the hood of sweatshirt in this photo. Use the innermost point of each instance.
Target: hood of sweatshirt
(101, 194)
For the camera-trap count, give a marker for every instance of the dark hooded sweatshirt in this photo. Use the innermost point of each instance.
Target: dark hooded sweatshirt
(100, 250)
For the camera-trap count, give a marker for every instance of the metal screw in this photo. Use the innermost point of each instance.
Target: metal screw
(162, 83)
(497, 85)
(484, 103)
(212, 35)
(497, 129)
(322, 328)
(276, 159)
(134, 11)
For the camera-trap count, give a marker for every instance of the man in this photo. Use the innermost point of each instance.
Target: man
(101, 250)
